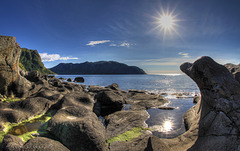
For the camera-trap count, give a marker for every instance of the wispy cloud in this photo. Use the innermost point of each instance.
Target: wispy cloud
(125, 44)
(53, 57)
(185, 55)
(93, 43)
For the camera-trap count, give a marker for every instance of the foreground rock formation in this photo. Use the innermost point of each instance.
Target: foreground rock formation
(217, 115)
(10, 80)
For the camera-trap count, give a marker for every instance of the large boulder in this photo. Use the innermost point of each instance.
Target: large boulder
(216, 117)
(122, 121)
(43, 144)
(78, 129)
(11, 82)
(141, 100)
(110, 102)
(11, 142)
(78, 99)
(79, 79)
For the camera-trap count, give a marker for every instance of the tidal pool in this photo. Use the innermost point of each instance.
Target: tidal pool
(169, 123)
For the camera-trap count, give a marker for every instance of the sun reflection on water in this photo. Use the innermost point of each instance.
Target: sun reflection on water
(167, 126)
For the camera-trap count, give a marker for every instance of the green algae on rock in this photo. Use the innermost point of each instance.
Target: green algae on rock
(21, 129)
(128, 135)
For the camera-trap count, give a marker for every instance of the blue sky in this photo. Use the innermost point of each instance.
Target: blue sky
(125, 31)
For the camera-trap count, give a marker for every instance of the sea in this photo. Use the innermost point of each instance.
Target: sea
(178, 89)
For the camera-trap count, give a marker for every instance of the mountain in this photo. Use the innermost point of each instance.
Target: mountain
(30, 60)
(100, 67)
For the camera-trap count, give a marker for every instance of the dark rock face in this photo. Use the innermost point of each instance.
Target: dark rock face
(122, 121)
(110, 102)
(78, 129)
(101, 67)
(43, 144)
(79, 79)
(11, 142)
(216, 116)
(69, 80)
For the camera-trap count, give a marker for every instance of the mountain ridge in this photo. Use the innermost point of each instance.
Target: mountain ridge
(99, 67)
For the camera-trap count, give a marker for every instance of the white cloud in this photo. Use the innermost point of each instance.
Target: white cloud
(93, 43)
(53, 57)
(124, 44)
(186, 55)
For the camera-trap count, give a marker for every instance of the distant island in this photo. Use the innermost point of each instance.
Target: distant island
(100, 67)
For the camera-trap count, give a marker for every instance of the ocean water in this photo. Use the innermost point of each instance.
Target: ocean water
(164, 123)
(153, 83)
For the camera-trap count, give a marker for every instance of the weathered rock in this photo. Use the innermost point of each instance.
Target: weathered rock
(69, 80)
(78, 99)
(15, 112)
(12, 143)
(113, 86)
(10, 80)
(23, 73)
(144, 142)
(196, 99)
(234, 69)
(62, 78)
(166, 108)
(143, 101)
(96, 89)
(43, 144)
(33, 76)
(155, 144)
(122, 121)
(79, 79)
(110, 102)
(216, 116)
(9, 57)
(78, 129)
(137, 91)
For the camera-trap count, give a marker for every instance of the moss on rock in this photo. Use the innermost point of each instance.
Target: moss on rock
(43, 118)
(128, 135)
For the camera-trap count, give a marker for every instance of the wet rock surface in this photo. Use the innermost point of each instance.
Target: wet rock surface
(143, 101)
(78, 129)
(11, 142)
(43, 144)
(122, 121)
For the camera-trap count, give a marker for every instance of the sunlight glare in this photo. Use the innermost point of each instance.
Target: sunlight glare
(166, 21)
(167, 126)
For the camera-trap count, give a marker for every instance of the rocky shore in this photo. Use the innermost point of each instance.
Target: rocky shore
(40, 112)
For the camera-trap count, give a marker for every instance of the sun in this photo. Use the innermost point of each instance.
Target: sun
(166, 22)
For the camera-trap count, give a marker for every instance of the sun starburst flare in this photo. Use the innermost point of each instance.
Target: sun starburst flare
(166, 22)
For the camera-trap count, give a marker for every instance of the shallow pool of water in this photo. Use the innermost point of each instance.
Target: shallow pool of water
(169, 123)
